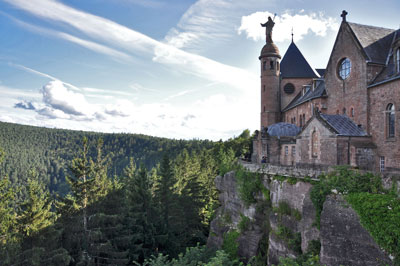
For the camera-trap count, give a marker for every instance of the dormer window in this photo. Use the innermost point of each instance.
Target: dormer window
(398, 60)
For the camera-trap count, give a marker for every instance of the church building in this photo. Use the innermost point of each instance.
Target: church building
(346, 114)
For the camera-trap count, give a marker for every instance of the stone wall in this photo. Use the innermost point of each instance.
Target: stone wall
(380, 97)
(351, 92)
(298, 85)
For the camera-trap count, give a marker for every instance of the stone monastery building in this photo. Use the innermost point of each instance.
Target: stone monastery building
(346, 114)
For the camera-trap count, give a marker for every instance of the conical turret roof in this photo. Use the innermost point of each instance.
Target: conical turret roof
(294, 65)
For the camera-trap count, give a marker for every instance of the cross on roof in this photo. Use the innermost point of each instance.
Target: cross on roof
(343, 15)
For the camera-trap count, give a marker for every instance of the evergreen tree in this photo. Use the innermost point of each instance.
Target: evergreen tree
(171, 224)
(36, 211)
(142, 214)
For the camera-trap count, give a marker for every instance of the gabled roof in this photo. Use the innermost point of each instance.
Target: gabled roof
(294, 65)
(375, 41)
(389, 72)
(318, 92)
(342, 125)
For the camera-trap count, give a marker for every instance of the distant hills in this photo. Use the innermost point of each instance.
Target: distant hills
(49, 151)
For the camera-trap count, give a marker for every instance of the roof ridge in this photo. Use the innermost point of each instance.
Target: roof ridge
(371, 26)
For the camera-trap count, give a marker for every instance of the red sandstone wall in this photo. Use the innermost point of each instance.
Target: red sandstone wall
(298, 84)
(380, 97)
(351, 92)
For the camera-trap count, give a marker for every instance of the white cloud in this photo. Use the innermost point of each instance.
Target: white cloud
(115, 34)
(301, 23)
(210, 21)
(57, 96)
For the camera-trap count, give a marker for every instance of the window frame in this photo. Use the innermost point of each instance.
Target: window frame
(390, 120)
(344, 68)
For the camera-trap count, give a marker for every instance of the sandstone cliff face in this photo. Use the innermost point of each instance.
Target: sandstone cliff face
(343, 240)
(229, 216)
(288, 234)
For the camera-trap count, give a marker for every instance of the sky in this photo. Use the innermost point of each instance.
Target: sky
(179, 69)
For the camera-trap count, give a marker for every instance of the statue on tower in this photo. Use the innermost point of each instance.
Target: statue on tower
(268, 29)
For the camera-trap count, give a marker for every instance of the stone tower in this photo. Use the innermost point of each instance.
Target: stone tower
(270, 69)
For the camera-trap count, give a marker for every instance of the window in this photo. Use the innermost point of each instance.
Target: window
(271, 64)
(265, 65)
(286, 150)
(314, 144)
(390, 120)
(289, 88)
(293, 150)
(264, 88)
(344, 68)
(352, 112)
(382, 163)
(344, 111)
(337, 112)
(301, 121)
(277, 66)
(264, 108)
(304, 119)
(398, 59)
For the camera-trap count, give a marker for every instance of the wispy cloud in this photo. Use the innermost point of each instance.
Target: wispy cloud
(96, 47)
(36, 72)
(117, 35)
(179, 94)
(301, 23)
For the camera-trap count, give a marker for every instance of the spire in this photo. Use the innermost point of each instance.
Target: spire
(292, 34)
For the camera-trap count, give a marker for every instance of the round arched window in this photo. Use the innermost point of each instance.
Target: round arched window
(344, 68)
(288, 88)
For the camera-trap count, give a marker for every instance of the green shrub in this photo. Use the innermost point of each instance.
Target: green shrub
(230, 245)
(380, 215)
(293, 240)
(249, 184)
(244, 223)
(345, 181)
(284, 209)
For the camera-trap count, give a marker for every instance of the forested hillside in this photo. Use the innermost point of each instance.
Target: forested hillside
(48, 151)
(127, 199)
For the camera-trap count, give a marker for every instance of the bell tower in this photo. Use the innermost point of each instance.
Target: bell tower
(270, 71)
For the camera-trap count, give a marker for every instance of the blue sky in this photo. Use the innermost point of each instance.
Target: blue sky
(169, 68)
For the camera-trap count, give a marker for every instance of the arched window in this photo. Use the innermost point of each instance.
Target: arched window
(271, 64)
(314, 144)
(264, 65)
(390, 120)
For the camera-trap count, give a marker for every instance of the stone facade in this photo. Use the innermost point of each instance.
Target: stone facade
(361, 81)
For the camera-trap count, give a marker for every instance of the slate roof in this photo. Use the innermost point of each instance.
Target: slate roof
(318, 92)
(294, 65)
(283, 129)
(343, 125)
(389, 73)
(376, 41)
(321, 71)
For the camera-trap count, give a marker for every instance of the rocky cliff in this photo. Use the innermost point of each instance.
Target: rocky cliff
(281, 223)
